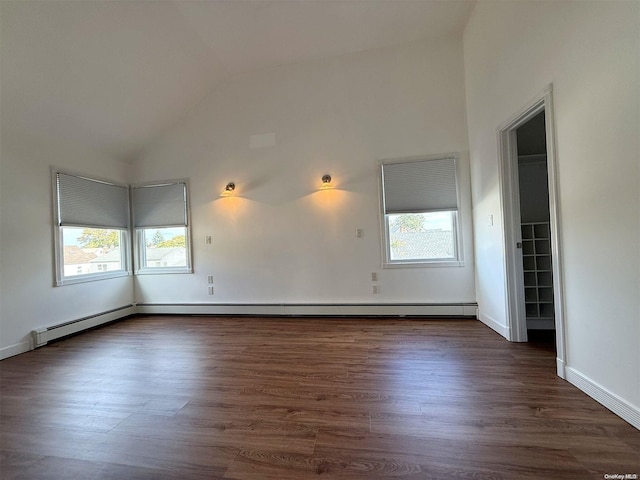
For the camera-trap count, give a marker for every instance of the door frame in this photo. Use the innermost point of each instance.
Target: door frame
(510, 198)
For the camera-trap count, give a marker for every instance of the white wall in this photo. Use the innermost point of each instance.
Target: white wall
(28, 299)
(590, 52)
(280, 240)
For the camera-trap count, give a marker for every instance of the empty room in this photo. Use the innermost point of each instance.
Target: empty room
(344, 239)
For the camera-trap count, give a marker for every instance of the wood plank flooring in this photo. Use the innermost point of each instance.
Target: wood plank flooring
(170, 397)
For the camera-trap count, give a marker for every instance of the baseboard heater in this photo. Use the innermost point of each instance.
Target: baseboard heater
(42, 336)
(436, 310)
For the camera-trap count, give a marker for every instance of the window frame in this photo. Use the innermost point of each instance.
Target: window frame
(138, 233)
(58, 236)
(387, 262)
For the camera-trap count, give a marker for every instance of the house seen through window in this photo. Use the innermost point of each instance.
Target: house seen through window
(420, 212)
(161, 220)
(91, 228)
(92, 231)
(91, 250)
(422, 236)
(164, 247)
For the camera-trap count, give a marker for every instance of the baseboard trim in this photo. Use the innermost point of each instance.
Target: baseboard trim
(495, 325)
(560, 368)
(454, 310)
(41, 336)
(610, 400)
(15, 349)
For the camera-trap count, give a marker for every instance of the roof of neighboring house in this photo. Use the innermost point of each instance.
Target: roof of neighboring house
(74, 255)
(155, 254)
(427, 244)
(98, 251)
(111, 256)
(152, 255)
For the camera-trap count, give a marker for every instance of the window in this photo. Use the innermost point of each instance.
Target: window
(420, 212)
(160, 217)
(91, 225)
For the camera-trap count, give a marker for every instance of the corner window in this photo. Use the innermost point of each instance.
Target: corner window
(160, 217)
(91, 225)
(420, 212)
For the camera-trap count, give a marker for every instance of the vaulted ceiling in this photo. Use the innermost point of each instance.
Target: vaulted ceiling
(112, 75)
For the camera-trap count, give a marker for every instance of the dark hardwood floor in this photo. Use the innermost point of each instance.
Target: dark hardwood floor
(264, 398)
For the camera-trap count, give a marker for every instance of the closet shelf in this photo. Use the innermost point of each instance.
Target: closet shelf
(538, 281)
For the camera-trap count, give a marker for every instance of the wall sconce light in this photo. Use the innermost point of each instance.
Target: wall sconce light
(326, 182)
(228, 190)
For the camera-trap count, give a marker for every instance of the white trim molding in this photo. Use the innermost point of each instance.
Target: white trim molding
(618, 405)
(453, 310)
(510, 203)
(493, 324)
(41, 336)
(15, 349)
(561, 368)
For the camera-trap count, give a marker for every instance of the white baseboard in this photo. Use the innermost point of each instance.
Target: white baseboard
(610, 400)
(15, 349)
(494, 325)
(399, 310)
(618, 405)
(40, 336)
(560, 368)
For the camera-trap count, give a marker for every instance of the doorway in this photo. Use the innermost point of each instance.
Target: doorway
(533, 188)
(530, 209)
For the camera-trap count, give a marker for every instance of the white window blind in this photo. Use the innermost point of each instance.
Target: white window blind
(84, 202)
(160, 205)
(420, 186)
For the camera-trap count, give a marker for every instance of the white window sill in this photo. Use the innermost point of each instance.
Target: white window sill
(163, 270)
(427, 264)
(91, 277)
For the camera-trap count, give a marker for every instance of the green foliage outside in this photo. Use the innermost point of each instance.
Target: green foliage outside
(110, 239)
(157, 238)
(409, 222)
(177, 241)
(99, 238)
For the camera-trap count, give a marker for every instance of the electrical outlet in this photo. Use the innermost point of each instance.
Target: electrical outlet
(210, 279)
(359, 233)
(374, 276)
(375, 289)
(207, 240)
(210, 290)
